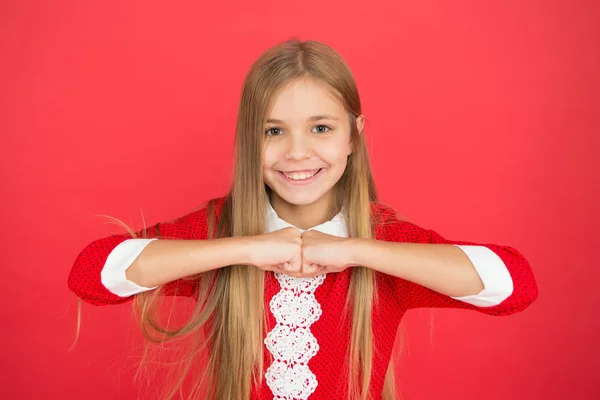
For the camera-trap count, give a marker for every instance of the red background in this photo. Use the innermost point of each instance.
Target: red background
(483, 125)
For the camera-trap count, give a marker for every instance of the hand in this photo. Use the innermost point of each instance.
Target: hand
(322, 253)
(278, 251)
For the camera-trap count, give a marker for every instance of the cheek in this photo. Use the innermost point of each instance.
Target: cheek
(335, 152)
(270, 155)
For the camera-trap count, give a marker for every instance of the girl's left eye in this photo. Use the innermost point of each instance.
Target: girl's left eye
(321, 129)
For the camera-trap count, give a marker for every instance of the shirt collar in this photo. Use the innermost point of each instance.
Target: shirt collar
(337, 226)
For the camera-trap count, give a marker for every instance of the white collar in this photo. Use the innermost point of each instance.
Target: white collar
(337, 226)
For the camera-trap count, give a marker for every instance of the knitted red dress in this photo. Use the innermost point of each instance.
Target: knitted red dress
(331, 330)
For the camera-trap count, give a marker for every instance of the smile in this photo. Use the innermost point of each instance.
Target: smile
(301, 177)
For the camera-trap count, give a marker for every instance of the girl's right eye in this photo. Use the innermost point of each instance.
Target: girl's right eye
(273, 132)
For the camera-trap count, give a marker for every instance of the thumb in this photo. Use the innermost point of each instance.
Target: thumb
(296, 264)
(308, 268)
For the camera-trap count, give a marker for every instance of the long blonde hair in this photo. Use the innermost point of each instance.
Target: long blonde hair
(229, 320)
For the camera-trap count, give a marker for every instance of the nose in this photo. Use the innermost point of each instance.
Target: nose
(299, 147)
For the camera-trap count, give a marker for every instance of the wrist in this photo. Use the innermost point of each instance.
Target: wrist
(357, 250)
(242, 250)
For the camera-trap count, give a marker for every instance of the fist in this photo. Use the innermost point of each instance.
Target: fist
(278, 251)
(322, 253)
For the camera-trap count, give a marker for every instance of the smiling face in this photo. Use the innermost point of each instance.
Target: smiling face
(307, 142)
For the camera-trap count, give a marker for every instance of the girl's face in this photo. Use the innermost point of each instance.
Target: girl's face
(307, 142)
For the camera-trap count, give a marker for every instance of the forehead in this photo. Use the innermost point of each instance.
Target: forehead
(303, 98)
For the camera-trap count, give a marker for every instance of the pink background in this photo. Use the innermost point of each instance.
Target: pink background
(483, 125)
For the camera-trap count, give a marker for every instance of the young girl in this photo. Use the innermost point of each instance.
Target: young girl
(301, 276)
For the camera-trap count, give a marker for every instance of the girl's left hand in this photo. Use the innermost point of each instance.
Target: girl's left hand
(322, 253)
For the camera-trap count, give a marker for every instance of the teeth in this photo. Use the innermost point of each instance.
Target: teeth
(300, 176)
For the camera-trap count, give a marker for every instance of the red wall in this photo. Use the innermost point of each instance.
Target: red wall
(483, 126)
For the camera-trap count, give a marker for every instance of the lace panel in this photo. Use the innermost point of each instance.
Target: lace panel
(291, 342)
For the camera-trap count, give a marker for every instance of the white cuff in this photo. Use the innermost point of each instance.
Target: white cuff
(497, 282)
(112, 275)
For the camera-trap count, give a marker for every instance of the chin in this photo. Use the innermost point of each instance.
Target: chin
(300, 199)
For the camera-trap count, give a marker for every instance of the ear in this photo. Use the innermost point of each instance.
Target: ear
(360, 123)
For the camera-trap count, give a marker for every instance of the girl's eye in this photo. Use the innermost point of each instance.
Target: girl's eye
(321, 129)
(273, 132)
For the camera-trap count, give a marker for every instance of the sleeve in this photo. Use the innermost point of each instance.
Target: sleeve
(119, 260)
(496, 257)
(86, 278)
(497, 282)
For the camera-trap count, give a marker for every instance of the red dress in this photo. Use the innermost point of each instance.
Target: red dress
(331, 330)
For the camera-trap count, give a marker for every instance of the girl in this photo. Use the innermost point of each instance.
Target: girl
(301, 276)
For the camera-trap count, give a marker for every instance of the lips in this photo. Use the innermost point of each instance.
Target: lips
(301, 177)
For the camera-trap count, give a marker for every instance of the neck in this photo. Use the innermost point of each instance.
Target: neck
(304, 216)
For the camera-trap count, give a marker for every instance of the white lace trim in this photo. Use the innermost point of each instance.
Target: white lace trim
(291, 342)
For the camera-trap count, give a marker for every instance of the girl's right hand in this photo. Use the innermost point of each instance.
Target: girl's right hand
(279, 251)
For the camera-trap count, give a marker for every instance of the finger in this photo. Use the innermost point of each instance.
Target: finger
(290, 268)
(286, 267)
(295, 232)
(309, 268)
(306, 235)
(313, 272)
(290, 272)
(296, 264)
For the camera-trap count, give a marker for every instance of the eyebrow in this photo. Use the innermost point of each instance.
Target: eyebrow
(313, 118)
